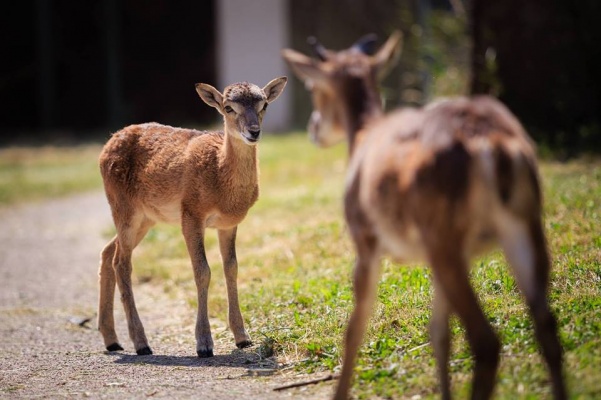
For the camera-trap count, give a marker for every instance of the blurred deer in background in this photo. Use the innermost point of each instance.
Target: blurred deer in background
(201, 180)
(439, 184)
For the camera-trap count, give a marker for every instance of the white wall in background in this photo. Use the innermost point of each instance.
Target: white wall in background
(250, 35)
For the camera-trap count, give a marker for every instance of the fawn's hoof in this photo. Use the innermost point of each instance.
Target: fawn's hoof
(114, 347)
(205, 353)
(144, 351)
(244, 343)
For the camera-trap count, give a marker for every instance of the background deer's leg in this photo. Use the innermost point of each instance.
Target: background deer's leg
(130, 232)
(227, 246)
(193, 231)
(450, 271)
(365, 282)
(440, 337)
(526, 251)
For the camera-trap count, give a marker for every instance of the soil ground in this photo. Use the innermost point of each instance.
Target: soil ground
(49, 254)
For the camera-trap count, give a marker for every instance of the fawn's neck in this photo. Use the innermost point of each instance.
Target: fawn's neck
(238, 160)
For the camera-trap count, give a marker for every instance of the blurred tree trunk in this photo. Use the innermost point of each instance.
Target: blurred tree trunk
(46, 65)
(543, 59)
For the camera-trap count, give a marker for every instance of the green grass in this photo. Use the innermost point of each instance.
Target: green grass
(295, 267)
(294, 282)
(30, 174)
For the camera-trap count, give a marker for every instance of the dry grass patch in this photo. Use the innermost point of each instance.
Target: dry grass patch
(28, 174)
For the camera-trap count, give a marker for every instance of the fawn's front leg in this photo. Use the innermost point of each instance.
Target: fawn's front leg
(227, 246)
(193, 231)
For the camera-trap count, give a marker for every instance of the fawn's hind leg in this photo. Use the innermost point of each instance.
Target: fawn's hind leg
(450, 271)
(129, 234)
(106, 320)
(524, 245)
(440, 337)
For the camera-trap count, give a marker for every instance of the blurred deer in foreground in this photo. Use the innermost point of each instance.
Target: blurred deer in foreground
(201, 180)
(439, 184)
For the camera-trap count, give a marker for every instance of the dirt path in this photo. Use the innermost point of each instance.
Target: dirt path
(48, 279)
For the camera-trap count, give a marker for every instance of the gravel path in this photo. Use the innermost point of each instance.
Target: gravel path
(49, 255)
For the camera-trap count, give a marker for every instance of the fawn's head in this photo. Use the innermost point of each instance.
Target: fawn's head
(344, 84)
(242, 105)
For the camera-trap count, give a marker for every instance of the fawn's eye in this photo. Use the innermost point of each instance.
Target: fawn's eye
(228, 109)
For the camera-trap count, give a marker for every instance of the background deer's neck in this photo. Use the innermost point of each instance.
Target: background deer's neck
(362, 105)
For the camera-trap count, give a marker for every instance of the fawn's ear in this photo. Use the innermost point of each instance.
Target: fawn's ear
(210, 95)
(274, 88)
(306, 69)
(388, 55)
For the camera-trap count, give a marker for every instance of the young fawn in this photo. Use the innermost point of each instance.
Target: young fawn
(439, 184)
(201, 180)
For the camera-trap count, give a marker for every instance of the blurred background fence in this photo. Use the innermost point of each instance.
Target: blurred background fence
(75, 68)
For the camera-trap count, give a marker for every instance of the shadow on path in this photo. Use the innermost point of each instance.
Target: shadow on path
(236, 359)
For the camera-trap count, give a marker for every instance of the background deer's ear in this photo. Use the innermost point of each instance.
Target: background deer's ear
(306, 69)
(274, 88)
(366, 44)
(320, 51)
(210, 95)
(388, 55)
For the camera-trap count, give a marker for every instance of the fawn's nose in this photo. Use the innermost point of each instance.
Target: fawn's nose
(254, 131)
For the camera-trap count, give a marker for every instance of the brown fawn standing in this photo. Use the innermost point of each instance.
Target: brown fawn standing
(439, 184)
(201, 180)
